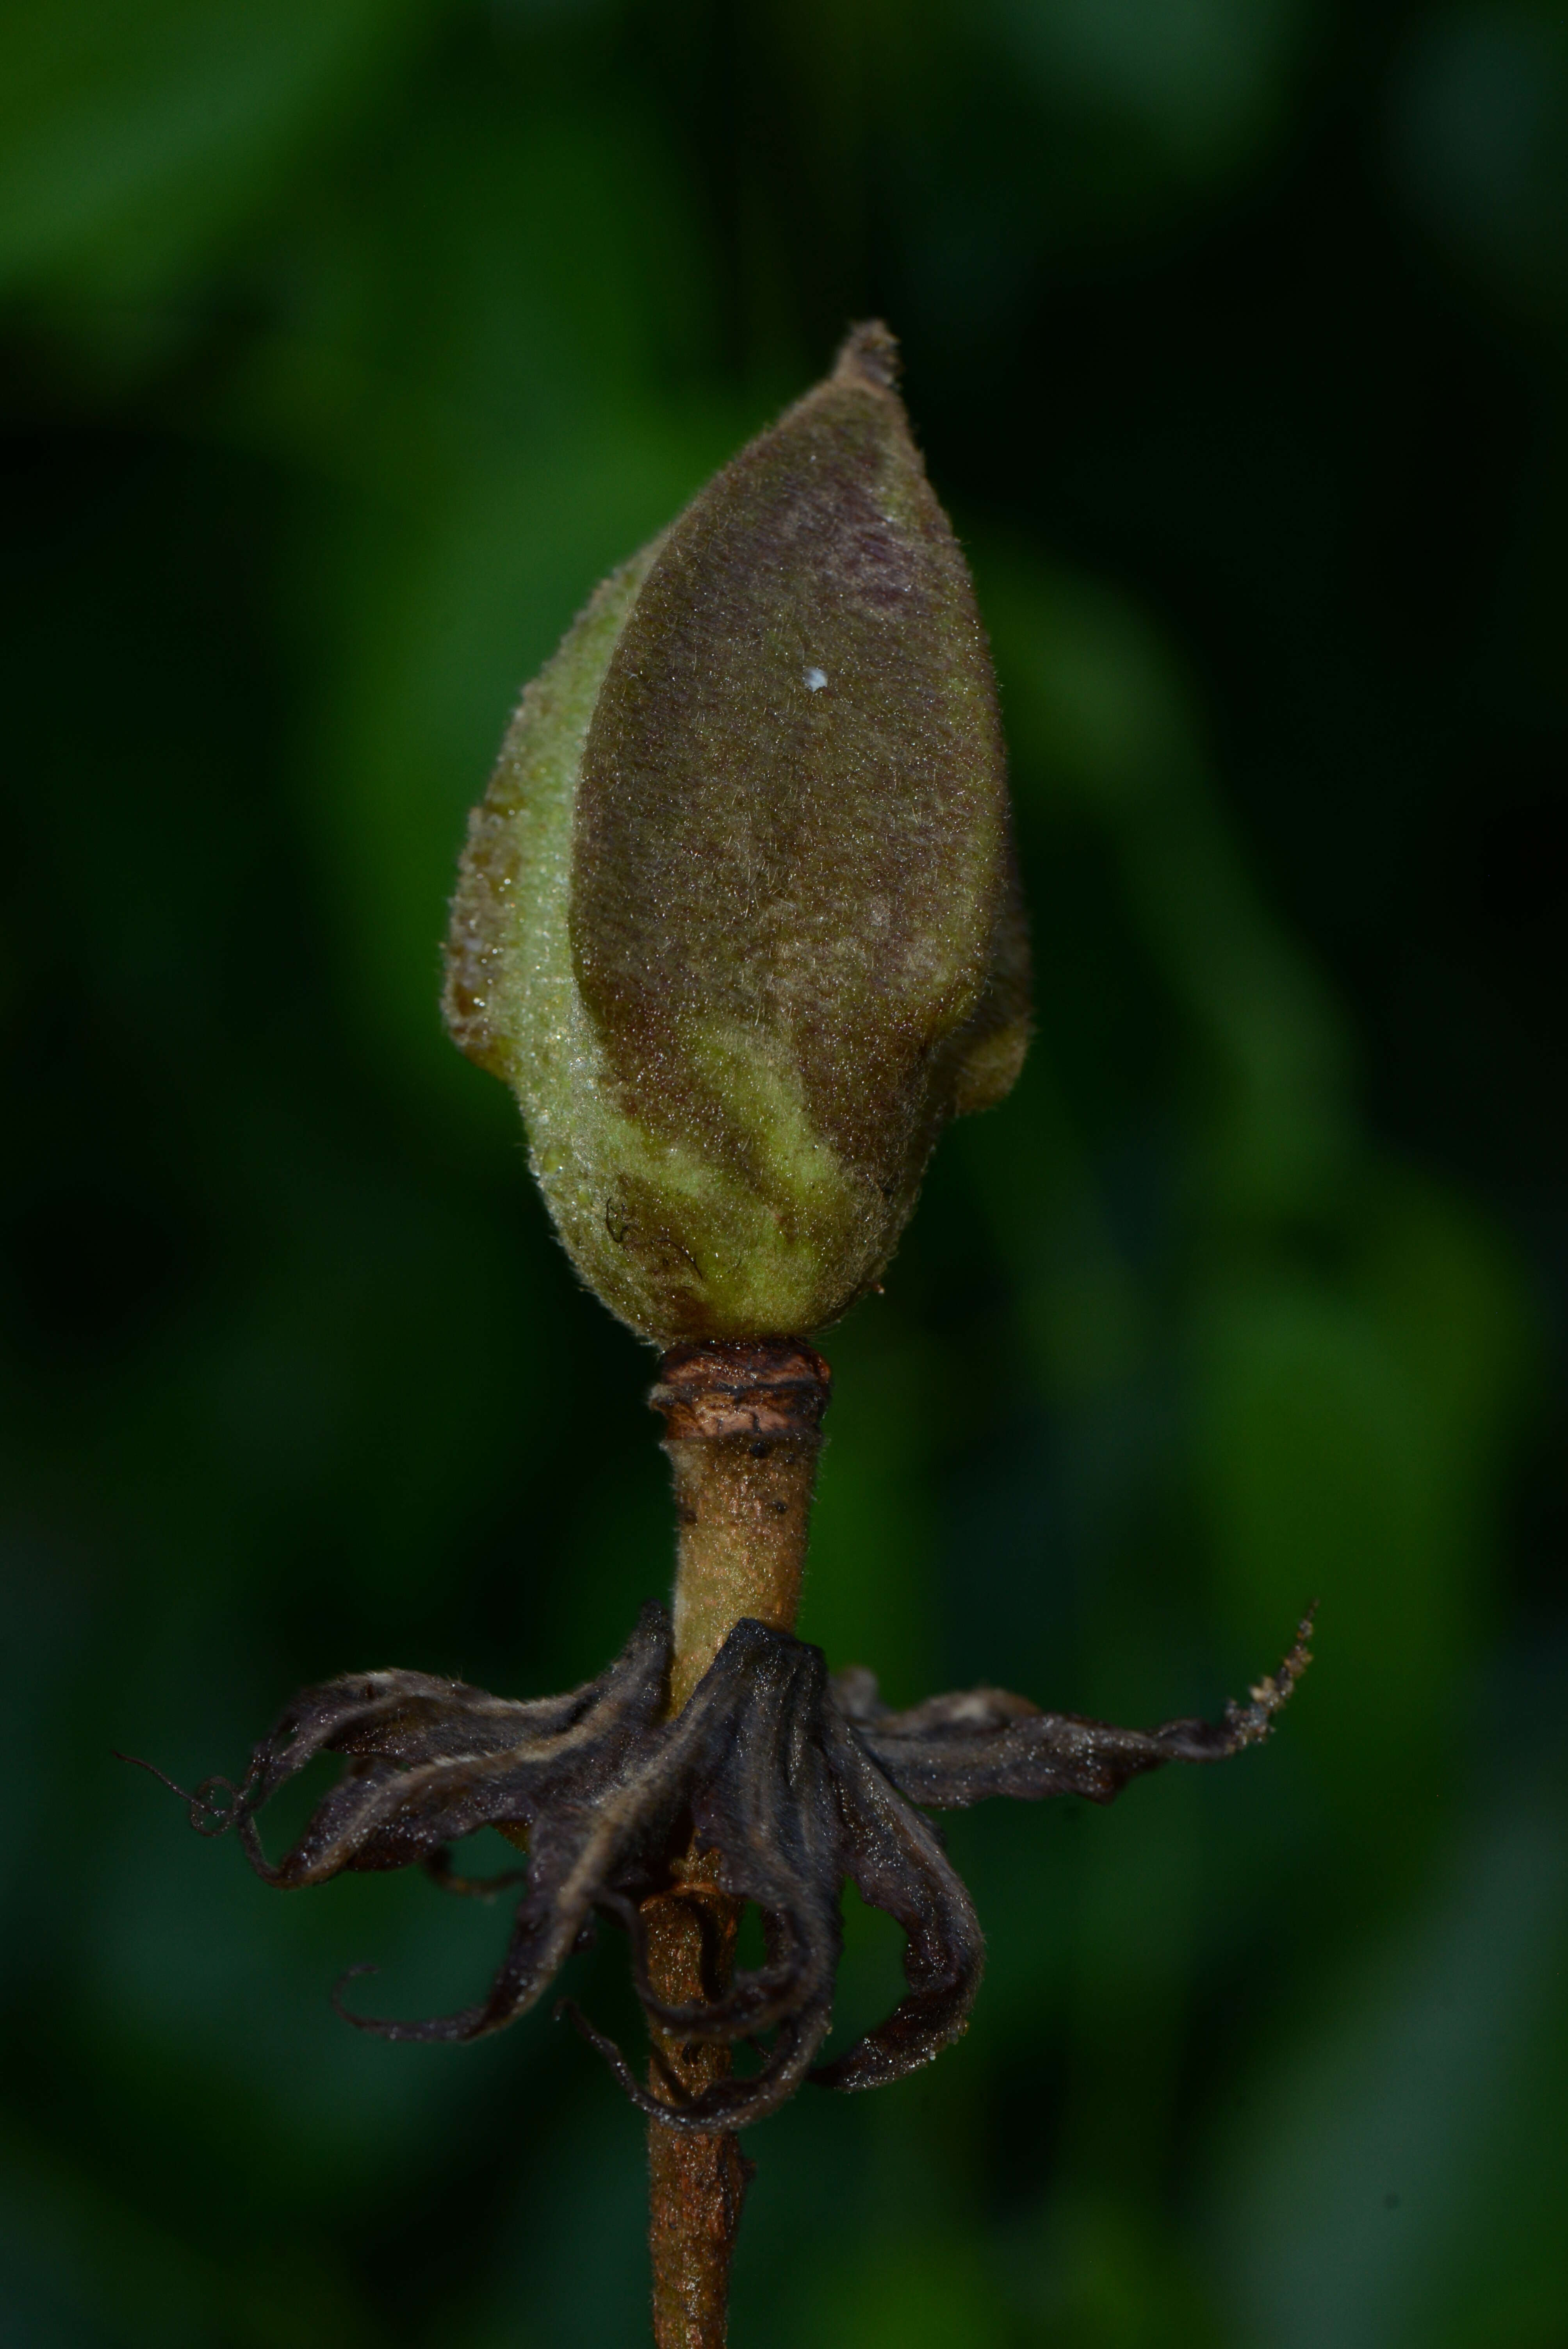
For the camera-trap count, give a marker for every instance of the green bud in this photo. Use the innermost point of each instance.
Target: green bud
(736, 919)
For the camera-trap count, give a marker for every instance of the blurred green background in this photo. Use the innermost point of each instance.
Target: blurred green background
(347, 343)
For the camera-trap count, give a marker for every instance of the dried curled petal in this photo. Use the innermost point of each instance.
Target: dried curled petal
(958, 1749)
(898, 1864)
(793, 1783)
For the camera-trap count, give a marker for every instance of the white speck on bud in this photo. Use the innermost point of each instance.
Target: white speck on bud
(816, 678)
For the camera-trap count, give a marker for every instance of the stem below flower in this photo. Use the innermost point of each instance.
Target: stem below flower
(742, 1434)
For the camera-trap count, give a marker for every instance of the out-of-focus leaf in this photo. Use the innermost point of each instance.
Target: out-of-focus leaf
(1478, 140)
(471, 348)
(1203, 80)
(1400, 2175)
(914, 2291)
(870, 1587)
(1104, 728)
(136, 135)
(82, 2267)
(1347, 1449)
(1111, 2275)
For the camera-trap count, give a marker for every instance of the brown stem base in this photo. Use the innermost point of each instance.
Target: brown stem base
(696, 2183)
(742, 1431)
(695, 2187)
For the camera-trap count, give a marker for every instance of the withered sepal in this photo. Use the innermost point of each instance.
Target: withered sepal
(792, 1781)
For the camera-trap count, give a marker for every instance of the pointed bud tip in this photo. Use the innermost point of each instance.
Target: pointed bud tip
(869, 355)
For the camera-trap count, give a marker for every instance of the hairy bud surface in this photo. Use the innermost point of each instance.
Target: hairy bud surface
(737, 918)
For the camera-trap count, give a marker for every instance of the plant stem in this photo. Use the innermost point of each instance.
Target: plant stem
(742, 1436)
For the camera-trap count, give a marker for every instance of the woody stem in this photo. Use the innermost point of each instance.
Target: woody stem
(742, 1437)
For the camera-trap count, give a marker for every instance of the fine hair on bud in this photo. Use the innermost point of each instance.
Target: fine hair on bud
(738, 919)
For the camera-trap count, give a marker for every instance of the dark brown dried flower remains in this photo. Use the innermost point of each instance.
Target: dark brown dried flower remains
(792, 1780)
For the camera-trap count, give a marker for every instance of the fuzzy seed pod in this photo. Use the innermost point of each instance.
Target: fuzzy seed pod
(736, 919)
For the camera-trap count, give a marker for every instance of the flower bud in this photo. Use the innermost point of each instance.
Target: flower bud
(737, 918)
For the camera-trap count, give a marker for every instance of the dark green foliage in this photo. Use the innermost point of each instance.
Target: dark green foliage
(349, 344)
